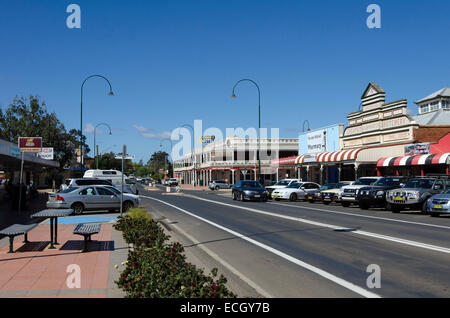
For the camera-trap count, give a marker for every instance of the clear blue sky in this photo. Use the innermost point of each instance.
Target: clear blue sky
(171, 62)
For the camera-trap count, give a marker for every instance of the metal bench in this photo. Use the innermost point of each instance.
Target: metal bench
(17, 229)
(87, 230)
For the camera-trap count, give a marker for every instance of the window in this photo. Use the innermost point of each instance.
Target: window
(103, 191)
(87, 191)
(446, 104)
(434, 106)
(424, 108)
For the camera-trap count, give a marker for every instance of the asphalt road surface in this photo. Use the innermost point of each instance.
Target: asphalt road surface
(299, 249)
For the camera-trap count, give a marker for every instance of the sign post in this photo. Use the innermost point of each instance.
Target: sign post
(27, 144)
(123, 156)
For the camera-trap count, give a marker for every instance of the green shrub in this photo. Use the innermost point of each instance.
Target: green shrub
(155, 269)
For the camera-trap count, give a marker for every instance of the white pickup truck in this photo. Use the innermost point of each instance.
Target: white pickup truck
(347, 194)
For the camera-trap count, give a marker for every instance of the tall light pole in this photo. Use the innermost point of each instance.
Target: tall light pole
(193, 152)
(259, 119)
(95, 144)
(304, 122)
(81, 114)
(171, 145)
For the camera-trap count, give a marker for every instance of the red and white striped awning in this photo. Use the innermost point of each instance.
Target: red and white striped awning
(284, 161)
(337, 156)
(430, 159)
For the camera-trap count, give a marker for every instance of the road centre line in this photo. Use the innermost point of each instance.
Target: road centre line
(363, 216)
(334, 227)
(318, 271)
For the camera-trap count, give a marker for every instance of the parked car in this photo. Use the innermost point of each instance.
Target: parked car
(91, 197)
(172, 182)
(375, 194)
(439, 203)
(78, 182)
(332, 195)
(295, 191)
(348, 193)
(219, 184)
(281, 184)
(316, 194)
(249, 190)
(415, 193)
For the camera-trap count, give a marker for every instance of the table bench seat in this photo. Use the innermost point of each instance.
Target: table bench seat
(86, 230)
(17, 229)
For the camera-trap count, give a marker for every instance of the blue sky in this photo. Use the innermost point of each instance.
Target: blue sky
(171, 62)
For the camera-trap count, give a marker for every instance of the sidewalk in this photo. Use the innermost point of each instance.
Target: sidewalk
(36, 271)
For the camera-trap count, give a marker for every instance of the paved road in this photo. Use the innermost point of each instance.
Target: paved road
(296, 249)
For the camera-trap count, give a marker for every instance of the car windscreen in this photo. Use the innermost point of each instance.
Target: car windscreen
(294, 185)
(251, 184)
(388, 182)
(329, 186)
(364, 181)
(282, 183)
(92, 182)
(69, 190)
(420, 183)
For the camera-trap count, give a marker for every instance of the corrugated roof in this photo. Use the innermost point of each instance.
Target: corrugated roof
(440, 117)
(445, 92)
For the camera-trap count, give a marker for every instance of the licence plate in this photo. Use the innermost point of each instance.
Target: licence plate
(275, 195)
(257, 196)
(437, 207)
(310, 198)
(326, 199)
(398, 199)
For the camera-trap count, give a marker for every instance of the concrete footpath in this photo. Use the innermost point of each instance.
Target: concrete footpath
(34, 270)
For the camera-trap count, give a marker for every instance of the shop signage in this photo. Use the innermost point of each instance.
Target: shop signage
(205, 140)
(309, 158)
(417, 149)
(46, 153)
(317, 141)
(30, 144)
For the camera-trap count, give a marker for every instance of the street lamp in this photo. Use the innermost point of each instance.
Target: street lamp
(259, 119)
(304, 122)
(193, 152)
(95, 149)
(171, 146)
(81, 113)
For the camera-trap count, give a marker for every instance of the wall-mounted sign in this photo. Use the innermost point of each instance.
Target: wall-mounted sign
(417, 149)
(205, 140)
(326, 139)
(317, 141)
(46, 153)
(30, 144)
(309, 158)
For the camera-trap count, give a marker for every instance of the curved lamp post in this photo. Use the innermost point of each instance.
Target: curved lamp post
(95, 144)
(171, 146)
(192, 151)
(81, 113)
(304, 122)
(259, 118)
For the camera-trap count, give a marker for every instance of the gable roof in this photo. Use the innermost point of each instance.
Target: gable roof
(375, 86)
(445, 92)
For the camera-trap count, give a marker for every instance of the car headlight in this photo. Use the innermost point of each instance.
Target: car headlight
(413, 195)
(380, 193)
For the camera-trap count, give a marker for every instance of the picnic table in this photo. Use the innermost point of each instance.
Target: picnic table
(53, 214)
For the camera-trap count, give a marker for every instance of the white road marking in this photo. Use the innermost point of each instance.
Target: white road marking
(363, 216)
(259, 289)
(318, 271)
(335, 227)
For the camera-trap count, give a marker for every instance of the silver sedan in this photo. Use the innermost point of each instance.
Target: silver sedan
(439, 204)
(91, 198)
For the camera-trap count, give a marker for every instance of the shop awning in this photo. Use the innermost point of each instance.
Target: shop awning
(431, 159)
(338, 156)
(284, 161)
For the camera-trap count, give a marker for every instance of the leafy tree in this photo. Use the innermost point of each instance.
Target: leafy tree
(107, 161)
(28, 117)
(158, 161)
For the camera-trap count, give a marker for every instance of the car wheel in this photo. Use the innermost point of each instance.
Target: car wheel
(127, 205)
(424, 207)
(78, 208)
(241, 197)
(216, 188)
(234, 196)
(345, 204)
(293, 197)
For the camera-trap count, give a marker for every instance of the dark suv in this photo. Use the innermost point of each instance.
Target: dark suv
(375, 194)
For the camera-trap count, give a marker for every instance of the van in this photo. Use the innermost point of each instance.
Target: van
(115, 177)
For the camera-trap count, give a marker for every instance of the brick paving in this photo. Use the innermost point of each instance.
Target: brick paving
(36, 271)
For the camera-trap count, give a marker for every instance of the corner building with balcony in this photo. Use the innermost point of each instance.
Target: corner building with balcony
(234, 159)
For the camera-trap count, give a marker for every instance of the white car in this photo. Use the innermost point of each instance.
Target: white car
(348, 194)
(280, 185)
(295, 191)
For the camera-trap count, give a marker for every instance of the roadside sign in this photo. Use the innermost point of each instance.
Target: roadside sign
(126, 157)
(46, 153)
(30, 144)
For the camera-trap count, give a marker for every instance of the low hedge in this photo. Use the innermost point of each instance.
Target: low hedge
(158, 269)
